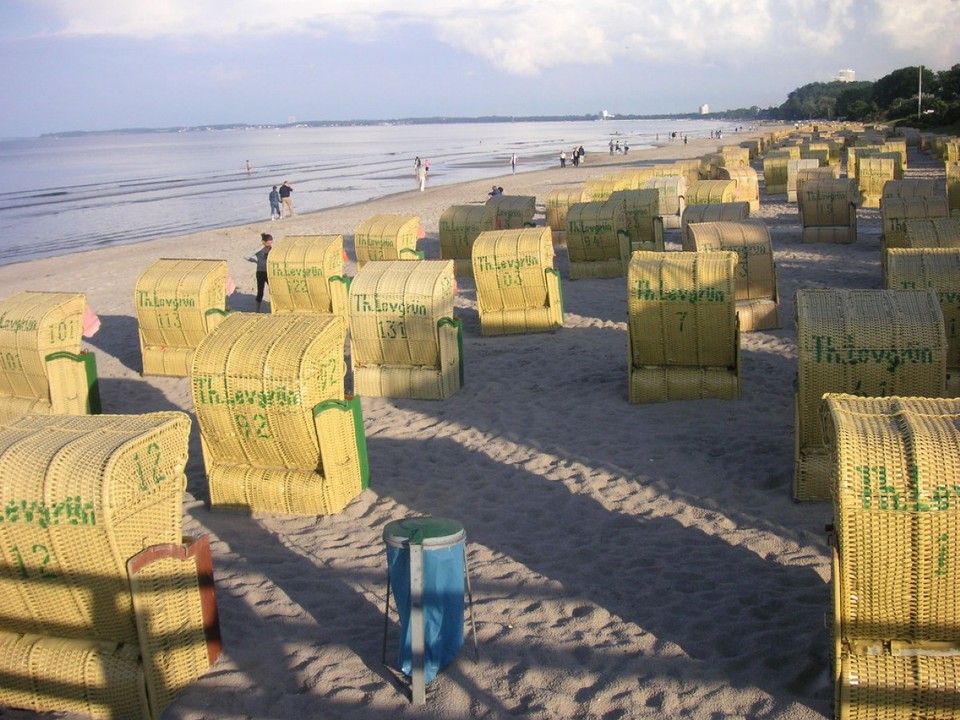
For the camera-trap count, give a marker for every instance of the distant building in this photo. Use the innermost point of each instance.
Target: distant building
(704, 109)
(846, 76)
(604, 115)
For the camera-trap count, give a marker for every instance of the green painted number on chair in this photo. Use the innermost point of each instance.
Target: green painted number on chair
(148, 467)
(683, 318)
(257, 425)
(391, 329)
(44, 558)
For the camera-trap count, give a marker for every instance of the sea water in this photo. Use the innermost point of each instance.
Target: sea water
(64, 194)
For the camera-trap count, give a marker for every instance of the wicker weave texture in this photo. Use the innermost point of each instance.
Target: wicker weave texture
(711, 212)
(755, 272)
(306, 275)
(952, 172)
(874, 343)
(386, 237)
(935, 268)
(824, 172)
(518, 289)
(682, 314)
(747, 185)
(896, 577)
(793, 171)
(172, 299)
(597, 239)
(80, 496)
(401, 317)
(775, 172)
(872, 174)
(912, 187)
(644, 225)
(668, 383)
(459, 227)
(673, 192)
(828, 203)
(704, 192)
(512, 211)
(895, 211)
(932, 232)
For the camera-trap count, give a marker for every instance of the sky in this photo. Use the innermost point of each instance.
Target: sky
(113, 64)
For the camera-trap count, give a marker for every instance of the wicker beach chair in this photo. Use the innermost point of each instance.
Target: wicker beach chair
(747, 185)
(404, 339)
(793, 170)
(673, 192)
(952, 172)
(518, 289)
(459, 227)
(107, 610)
(874, 343)
(938, 269)
(387, 237)
(873, 172)
(705, 192)
(178, 301)
(557, 205)
(805, 175)
(682, 337)
(42, 368)
(598, 239)
(775, 172)
(896, 598)
(828, 211)
(711, 212)
(896, 210)
(512, 211)
(278, 434)
(757, 298)
(644, 224)
(306, 276)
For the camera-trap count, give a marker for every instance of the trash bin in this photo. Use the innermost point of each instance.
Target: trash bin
(426, 571)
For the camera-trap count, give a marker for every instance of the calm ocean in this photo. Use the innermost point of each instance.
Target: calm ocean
(60, 195)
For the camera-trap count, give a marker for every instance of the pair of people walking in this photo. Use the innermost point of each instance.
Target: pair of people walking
(281, 200)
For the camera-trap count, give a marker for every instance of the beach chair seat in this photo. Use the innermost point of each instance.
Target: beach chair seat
(895, 637)
(757, 298)
(871, 342)
(387, 237)
(459, 227)
(518, 289)
(178, 301)
(42, 367)
(683, 342)
(107, 610)
(277, 431)
(598, 239)
(404, 339)
(306, 275)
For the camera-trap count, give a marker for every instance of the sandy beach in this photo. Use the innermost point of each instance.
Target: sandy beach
(626, 561)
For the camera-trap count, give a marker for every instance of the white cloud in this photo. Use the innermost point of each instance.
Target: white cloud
(526, 37)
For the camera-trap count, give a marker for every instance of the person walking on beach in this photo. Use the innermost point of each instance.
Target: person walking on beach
(260, 258)
(422, 176)
(563, 158)
(513, 162)
(285, 191)
(275, 213)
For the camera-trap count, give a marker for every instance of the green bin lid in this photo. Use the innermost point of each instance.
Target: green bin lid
(431, 532)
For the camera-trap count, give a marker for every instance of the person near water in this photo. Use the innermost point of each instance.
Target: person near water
(285, 197)
(260, 258)
(513, 162)
(275, 213)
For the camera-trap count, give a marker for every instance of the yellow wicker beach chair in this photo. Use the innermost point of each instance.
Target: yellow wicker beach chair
(512, 211)
(404, 339)
(178, 301)
(805, 175)
(828, 211)
(107, 610)
(644, 224)
(775, 172)
(705, 192)
(896, 210)
(682, 337)
(952, 172)
(459, 227)
(896, 598)
(873, 172)
(518, 289)
(757, 299)
(938, 269)
(306, 276)
(42, 368)
(673, 192)
(557, 204)
(711, 212)
(793, 171)
(874, 343)
(747, 185)
(387, 237)
(912, 187)
(598, 239)
(277, 432)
